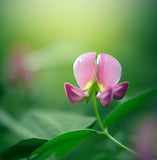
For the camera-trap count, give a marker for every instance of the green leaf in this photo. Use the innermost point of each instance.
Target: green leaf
(45, 124)
(129, 106)
(14, 126)
(44, 156)
(48, 124)
(21, 150)
(63, 143)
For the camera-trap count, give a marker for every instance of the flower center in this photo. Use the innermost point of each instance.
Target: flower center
(101, 87)
(88, 85)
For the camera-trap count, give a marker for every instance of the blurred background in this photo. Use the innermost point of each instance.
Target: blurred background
(40, 40)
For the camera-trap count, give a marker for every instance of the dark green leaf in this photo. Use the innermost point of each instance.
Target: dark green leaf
(129, 106)
(21, 150)
(64, 143)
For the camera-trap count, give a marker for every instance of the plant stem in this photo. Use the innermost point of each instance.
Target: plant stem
(118, 143)
(97, 113)
(105, 131)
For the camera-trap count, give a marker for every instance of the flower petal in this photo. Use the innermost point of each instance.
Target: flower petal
(105, 97)
(74, 94)
(85, 70)
(119, 90)
(109, 71)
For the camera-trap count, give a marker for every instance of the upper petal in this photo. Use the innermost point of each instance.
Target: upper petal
(109, 71)
(74, 94)
(85, 69)
(105, 97)
(119, 90)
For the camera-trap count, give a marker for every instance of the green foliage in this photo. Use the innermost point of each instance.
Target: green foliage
(48, 124)
(45, 124)
(64, 143)
(21, 150)
(129, 106)
(14, 126)
(65, 130)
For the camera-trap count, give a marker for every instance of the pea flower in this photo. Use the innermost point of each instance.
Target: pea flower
(84, 70)
(107, 72)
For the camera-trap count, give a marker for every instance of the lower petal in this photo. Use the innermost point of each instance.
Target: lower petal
(119, 90)
(105, 97)
(74, 94)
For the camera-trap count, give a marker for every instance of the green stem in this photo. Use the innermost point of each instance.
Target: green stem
(97, 113)
(105, 131)
(118, 143)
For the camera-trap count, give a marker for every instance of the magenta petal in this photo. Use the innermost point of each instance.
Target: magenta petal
(109, 71)
(105, 97)
(85, 69)
(74, 94)
(119, 90)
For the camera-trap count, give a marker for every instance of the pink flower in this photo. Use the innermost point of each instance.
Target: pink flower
(84, 70)
(108, 73)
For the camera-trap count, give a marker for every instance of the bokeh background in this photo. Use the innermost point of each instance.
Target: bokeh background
(49, 35)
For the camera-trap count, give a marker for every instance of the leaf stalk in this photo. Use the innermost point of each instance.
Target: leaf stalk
(105, 130)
